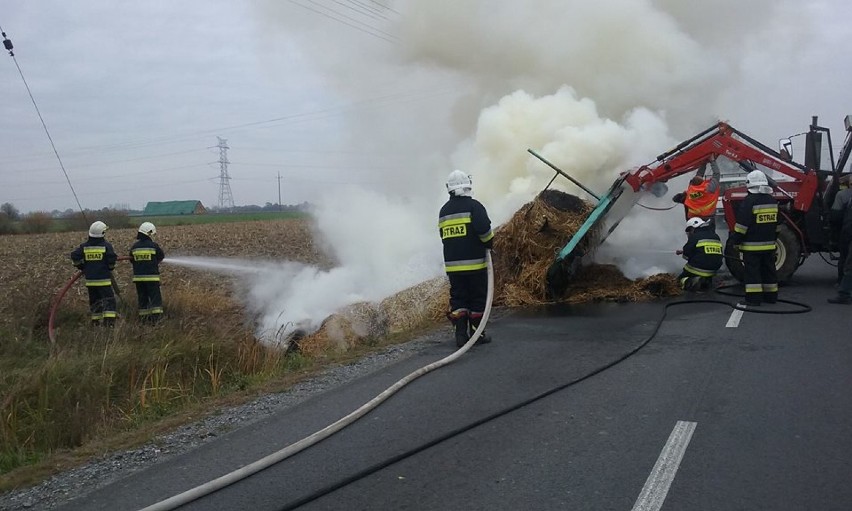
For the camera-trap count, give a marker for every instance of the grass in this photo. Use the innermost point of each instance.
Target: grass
(117, 389)
(99, 389)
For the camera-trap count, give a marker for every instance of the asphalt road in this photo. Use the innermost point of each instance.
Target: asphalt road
(747, 417)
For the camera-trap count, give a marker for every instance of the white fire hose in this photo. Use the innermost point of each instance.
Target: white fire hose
(267, 461)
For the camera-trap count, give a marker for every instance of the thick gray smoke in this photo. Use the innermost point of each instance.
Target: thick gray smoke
(596, 87)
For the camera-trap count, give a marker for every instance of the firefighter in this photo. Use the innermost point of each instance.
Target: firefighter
(843, 217)
(465, 231)
(700, 198)
(839, 208)
(96, 259)
(754, 234)
(145, 256)
(703, 254)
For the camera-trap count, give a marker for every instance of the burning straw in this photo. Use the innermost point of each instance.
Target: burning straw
(524, 248)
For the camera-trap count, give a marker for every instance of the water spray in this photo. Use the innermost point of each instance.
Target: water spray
(205, 263)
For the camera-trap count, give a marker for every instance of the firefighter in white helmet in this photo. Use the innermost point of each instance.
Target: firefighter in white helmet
(145, 256)
(703, 254)
(465, 231)
(755, 234)
(96, 259)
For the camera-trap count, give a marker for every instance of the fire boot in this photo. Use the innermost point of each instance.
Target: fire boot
(459, 319)
(475, 319)
(461, 331)
(841, 299)
(844, 293)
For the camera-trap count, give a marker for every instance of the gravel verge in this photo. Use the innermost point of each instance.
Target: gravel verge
(61, 488)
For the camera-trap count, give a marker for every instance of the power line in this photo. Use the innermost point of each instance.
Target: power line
(386, 7)
(389, 99)
(109, 162)
(8, 45)
(362, 9)
(386, 37)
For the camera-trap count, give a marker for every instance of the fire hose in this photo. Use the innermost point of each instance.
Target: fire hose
(54, 306)
(271, 459)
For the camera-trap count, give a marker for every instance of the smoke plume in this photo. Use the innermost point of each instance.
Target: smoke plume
(595, 87)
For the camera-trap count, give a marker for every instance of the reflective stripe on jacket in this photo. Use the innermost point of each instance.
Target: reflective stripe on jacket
(145, 256)
(465, 231)
(96, 259)
(703, 252)
(700, 200)
(757, 221)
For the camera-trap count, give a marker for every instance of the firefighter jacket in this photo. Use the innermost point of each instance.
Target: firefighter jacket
(96, 259)
(465, 231)
(145, 256)
(757, 219)
(703, 252)
(841, 214)
(700, 200)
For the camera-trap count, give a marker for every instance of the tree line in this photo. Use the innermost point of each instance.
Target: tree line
(12, 221)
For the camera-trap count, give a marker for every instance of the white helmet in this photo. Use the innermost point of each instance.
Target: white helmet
(148, 229)
(97, 229)
(755, 180)
(694, 223)
(459, 183)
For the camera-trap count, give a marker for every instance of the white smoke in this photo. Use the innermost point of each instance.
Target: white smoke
(595, 87)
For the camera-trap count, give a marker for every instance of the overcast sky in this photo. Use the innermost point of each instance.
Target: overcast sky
(373, 93)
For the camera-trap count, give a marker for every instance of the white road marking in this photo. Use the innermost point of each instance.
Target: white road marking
(657, 486)
(734, 320)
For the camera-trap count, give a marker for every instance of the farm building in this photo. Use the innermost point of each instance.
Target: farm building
(176, 207)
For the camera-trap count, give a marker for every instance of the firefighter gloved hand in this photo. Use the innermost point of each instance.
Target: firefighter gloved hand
(678, 197)
(678, 252)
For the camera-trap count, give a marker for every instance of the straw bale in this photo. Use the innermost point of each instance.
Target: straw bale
(526, 245)
(345, 329)
(427, 301)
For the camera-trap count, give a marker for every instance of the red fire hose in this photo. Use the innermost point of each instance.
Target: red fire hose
(51, 320)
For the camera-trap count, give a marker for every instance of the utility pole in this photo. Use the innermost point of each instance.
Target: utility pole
(226, 199)
(280, 208)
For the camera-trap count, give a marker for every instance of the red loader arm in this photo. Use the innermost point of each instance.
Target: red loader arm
(724, 140)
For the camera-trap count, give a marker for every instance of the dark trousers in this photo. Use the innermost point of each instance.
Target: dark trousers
(846, 280)
(468, 291)
(692, 282)
(150, 299)
(102, 304)
(761, 280)
(844, 258)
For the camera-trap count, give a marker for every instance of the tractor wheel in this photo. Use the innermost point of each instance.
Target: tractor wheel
(787, 256)
(734, 261)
